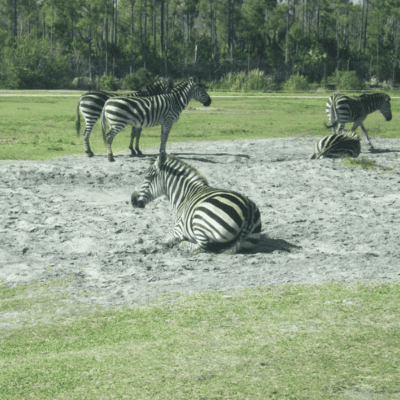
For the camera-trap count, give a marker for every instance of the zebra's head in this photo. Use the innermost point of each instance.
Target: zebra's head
(152, 185)
(385, 108)
(200, 94)
(195, 90)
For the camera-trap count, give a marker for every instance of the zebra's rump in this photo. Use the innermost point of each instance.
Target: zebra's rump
(224, 220)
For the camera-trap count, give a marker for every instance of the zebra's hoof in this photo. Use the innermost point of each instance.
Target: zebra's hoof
(111, 159)
(90, 154)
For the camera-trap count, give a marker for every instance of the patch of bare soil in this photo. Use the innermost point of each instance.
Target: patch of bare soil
(321, 221)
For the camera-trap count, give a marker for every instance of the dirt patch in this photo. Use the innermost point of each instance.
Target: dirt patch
(321, 221)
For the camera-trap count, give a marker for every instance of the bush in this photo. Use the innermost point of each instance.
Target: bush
(139, 79)
(29, 64)
(296, 83)
(255, 80)
(108, 82)
(345, 80)
(82, 83)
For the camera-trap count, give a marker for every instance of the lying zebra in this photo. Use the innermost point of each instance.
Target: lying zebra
(207, 219)
(341, 145)
(342, 109)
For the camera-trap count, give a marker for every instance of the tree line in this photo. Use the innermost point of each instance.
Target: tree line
(48, 43)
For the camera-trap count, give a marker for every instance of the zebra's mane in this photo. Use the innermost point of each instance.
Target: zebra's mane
(174, 163)
(349, 135)
(374, 96)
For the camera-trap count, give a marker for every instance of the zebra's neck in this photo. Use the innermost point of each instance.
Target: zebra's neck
(372, 102)
(182, 93)
(179, 198)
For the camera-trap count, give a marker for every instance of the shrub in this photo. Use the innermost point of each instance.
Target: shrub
(30, 64)
(108, 82)
(296, 83)
(345, 80)
(235, 81)
(139, 79)
(82, 83)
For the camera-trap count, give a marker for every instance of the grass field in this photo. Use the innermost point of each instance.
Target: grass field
(328, 341)
(44, 127)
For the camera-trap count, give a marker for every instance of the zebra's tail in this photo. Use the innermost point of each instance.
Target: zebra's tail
(103, 125)
(334, 125)
(78, 120)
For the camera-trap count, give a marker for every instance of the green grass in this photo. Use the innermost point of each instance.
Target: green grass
(366, 163)
(283, 342)
(44, 127)
(330, 341)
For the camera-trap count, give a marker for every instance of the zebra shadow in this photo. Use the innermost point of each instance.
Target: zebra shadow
(197, 156)
(268, 245)
(213, 154)
(378, 151)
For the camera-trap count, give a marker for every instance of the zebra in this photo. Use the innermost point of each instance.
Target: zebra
(141, 112)
(342, 109)
(91, 105)
(340, 145)
(207, 219)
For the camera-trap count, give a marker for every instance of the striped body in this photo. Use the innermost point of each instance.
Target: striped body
(345, 144)
(91, 105)
(141, 112)
(207, 219)
(343, 109)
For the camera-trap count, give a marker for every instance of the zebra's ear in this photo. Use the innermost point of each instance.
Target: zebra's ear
(387, 97)
(161, 159)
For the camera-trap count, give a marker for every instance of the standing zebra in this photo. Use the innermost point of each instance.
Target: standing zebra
(340, 145)
(91, 105)
(343, 109)
(141, 112)
(207, 219)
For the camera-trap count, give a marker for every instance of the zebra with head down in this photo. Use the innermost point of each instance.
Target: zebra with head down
(207, 219)
(345, 144)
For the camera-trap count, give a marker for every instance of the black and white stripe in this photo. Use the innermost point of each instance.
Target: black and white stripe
(342, 109)
(207, 219)
(91, 105)
(345, 144)
(140, 112)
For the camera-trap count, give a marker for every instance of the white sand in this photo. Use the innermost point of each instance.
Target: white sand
(321, 221)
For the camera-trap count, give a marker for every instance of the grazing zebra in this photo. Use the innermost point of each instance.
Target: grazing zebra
(207, 219)
(340, 145)
(343, 109)
(141, 112)
(91, 105)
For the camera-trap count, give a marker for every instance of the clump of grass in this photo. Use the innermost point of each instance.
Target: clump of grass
(364, 163)
(254, 80)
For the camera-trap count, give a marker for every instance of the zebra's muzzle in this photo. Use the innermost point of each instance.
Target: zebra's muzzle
(207, 103)
(389, 118)
(135, 202)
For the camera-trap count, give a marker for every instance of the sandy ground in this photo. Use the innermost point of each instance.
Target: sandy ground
(321, 221)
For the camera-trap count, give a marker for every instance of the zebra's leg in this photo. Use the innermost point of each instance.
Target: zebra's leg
(135, 133)
(109, 139)
(86, 143)
(164, 136)
(341, 127)
(366, 135)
